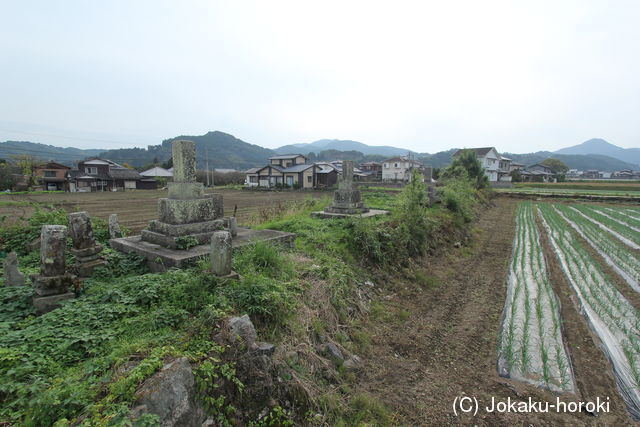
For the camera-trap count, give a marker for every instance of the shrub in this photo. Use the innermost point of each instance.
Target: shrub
(459, 196)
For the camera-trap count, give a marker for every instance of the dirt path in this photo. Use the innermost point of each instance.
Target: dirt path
(446, 347)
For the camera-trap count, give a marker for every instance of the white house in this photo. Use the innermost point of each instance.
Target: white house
(490, 160)
(399, 168)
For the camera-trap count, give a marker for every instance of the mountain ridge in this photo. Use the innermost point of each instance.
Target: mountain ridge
(227, 151)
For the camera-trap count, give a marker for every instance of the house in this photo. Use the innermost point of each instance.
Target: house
(626, 174)
(537, 173)
(399, 168)
(251, 177)
(504, 169)
(592, 174)
(288, 160)
(293, 171)
(490, 160)
(372, 170)
(156, 172)
(327, 175)
(514, 166)
(298, 175)
(52, 176)
(540, 167)
(105, 175)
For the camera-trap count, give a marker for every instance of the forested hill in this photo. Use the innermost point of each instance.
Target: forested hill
(66, 155)
(223, 150)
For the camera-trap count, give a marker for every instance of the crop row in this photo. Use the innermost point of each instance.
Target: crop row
(531, 346)
(609, 314)
(618, 255)
(616, 227)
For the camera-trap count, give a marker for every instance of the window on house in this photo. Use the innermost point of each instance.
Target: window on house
(253, 179)
(386, 165)
(309, 179)
(288, 164)
(91, 170)
(50, 174)
(395, 166)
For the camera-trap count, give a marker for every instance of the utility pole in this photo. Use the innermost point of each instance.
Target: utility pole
(206, 156)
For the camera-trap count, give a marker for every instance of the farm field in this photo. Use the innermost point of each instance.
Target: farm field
(595, 247)
(570, 191)
(135, 209)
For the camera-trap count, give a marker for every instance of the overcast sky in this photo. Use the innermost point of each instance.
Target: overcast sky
(425, 75)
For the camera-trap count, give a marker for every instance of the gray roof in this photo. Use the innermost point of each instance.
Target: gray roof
(286, 156)
(479, 151)
(125, 174)
(253, 170)
(296, 168)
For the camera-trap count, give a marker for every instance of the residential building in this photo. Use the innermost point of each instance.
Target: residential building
(372, 170)
(399, 168)
(490, 160)
(592, 174)
(288, 160)
(52, 176)
(105, 175)
(288, 171)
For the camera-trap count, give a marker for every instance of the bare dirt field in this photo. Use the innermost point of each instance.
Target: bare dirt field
(136, 208)
(444, 345)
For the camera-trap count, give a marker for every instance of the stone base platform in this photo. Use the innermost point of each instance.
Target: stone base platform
(51, 302)
(160, 258)
(329, 215)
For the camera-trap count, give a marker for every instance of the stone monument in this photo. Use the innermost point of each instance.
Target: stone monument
(85, 248)
(346, 199)
(221, 254)
(52, 284)
(114, 227)
(188, 213)
(12, 274)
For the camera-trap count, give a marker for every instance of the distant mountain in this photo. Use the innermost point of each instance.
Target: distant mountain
(575, 161)
(602, 147)
(66, 156)
(224, 151)
(341, 145)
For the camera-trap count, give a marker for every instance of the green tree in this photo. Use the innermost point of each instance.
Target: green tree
(27, 165)
(7, 178)
(467, 166)
(556, 166)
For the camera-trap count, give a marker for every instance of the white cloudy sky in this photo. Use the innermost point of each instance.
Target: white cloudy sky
(425, 75)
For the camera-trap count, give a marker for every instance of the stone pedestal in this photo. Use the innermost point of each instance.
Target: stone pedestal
(85, 249)
(53, 283)
(188, 215)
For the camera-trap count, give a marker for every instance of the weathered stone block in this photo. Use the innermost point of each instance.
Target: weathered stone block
(53, 244)
(12, 274)
(171, 242)
(114, 227)
(48, 303)
(50, 285)
(175, 230)
(174, 211)
(221, 253)
(85, 268)
(185, 190)
(184, 161)
(81, 230)
(87, 252)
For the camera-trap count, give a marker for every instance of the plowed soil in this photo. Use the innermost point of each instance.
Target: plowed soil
(136, 208)
(446, 346)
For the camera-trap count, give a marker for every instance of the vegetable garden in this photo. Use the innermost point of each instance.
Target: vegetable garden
(531, 347)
